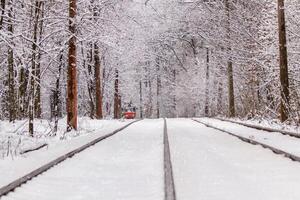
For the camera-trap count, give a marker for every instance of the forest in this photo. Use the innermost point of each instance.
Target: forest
(171, 58)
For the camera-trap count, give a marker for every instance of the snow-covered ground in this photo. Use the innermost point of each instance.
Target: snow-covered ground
(212, 165)
(207, 164)
(15, 139)
(283, 142)
(12, 168)
(128, 165)
(274, 124)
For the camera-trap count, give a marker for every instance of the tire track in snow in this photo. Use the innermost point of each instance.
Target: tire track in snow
(170, 193)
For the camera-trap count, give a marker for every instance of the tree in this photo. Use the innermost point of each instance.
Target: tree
(284, 76)
(35, 88)
(230, 64)
(11, 69)
(2, 13)
(207, 84)
(72, 71)
(117, 98)
(98, 87)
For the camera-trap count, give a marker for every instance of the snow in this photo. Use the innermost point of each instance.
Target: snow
(15, 139)
(269, 123)
(207, 164)
(283, 142)
(129, 165)
(16, 167)
(212, 165)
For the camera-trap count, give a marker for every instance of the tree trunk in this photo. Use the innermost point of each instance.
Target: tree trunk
(90, 81)
(150, 106)
(72, 72)
(158, 88)
(57, 93)
(284, 79)
(117, 100)
(2, 13)
(99, 114)
(231, 90)
(22, 100)
(34, 106)
(11, 72)
(141, 100)
(39, 15)
(174, 95)
(207, 85)
(229, 64)
(220, 96)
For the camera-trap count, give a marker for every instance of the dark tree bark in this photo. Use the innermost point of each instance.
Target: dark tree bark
(34, 103)
(284, 77)
(57, 96)
(158, 89)
(231, 90)
(2, 13)
(90, 81)
(207, 85)
(72, 71)
(98, 80)
(141, 100)
(11, 72)
(220, 96)
(229, 64)
(38, 31)
(174, 95)
(11, 85)
(150, 106)
(31, 105)
(22, 100)
(117, 99)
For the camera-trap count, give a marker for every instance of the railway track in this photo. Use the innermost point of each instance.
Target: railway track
(254, 142)
(289, 133)
(170, 193)
(43, 175)
(135, 165)
(23, 180)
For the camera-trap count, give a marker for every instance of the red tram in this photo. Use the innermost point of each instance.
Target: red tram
(129, 112)
(129, 115)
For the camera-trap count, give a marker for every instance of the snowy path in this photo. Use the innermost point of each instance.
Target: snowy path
(128, 165)
(283, 142)
(212, 165)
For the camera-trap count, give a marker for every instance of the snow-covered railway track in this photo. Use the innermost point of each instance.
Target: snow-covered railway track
(23, 180)
(127, 166)
(210, 164)
(283, 132)
(170, 193)
(253, 141)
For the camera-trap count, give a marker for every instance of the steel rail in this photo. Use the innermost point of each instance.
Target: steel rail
(262, 128)
(18, 182)
(170, 193)
(254, 142)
